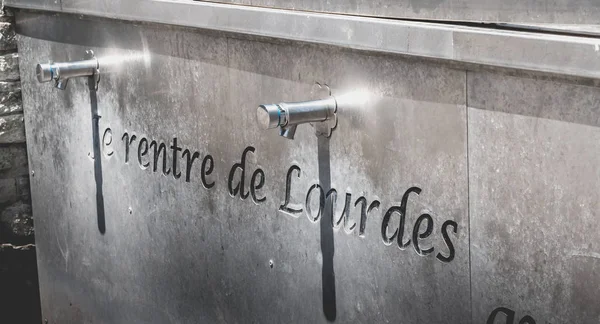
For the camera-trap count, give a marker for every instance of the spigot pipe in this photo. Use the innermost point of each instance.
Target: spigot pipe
(66, 70)
(309, 111)
(295, 113)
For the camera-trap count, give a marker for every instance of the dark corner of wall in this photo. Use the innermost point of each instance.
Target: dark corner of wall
(19, 291)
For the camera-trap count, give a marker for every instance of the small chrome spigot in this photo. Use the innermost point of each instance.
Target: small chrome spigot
(288, 115)
(60, 73)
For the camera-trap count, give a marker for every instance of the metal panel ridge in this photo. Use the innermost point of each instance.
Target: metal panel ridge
(493, 11)
(52, 5)
(511, 49)
(571, 12)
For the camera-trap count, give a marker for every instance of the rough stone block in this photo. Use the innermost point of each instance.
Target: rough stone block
(12, 129)
(9, 66)
(8, 191)
(10, 86)
(17, 219)
(6, 12)
(10, 97)
(23, 189)
(13, 161)
(7, 36)
(10, 103)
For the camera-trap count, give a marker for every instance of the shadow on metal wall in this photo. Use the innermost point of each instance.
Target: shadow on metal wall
(97, 160)
(327, 243)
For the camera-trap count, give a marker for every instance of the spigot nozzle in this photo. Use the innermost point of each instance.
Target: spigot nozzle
(60, 73)
(268, 116)
(44, 72)
(288, 115)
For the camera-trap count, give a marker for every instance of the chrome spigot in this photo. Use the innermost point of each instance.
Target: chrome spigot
(60, 73)
(288, 115)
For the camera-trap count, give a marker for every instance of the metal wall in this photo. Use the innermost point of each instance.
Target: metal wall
(498, 171)
(579, 16)
(534, 152)
(493, 11)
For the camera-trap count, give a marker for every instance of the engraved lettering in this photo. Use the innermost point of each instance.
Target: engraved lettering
(286, 207)
(128, 141)
(175, 151)
(158, 149)
(364, 211)
(345, 215)
(510, 315)
(402, 211)
(174, 164)
(416, 235)
(348, 229)
(309, 213)
(385, 224)
(237, 184)
(189, 161)
(527, 320)
(207, 171)
(143, 151)
(331, 199)
(233, 191)
(107, 139)
(257, 186)
(447, 240)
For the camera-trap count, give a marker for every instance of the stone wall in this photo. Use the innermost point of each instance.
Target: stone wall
(19, 293)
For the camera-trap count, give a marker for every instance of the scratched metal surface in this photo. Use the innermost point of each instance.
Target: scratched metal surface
(166, 250)
(475, 44)
(574, 12)
(54, 5)
(514, 11)
(534, 152)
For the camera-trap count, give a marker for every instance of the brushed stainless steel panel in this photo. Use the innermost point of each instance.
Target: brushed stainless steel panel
(161, 249)
(54, 5)
(515, 11)
(534, 151)
(542, 51)
(528, 12)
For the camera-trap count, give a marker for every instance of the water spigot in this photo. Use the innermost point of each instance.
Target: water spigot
(60, 73)
(288, 115)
